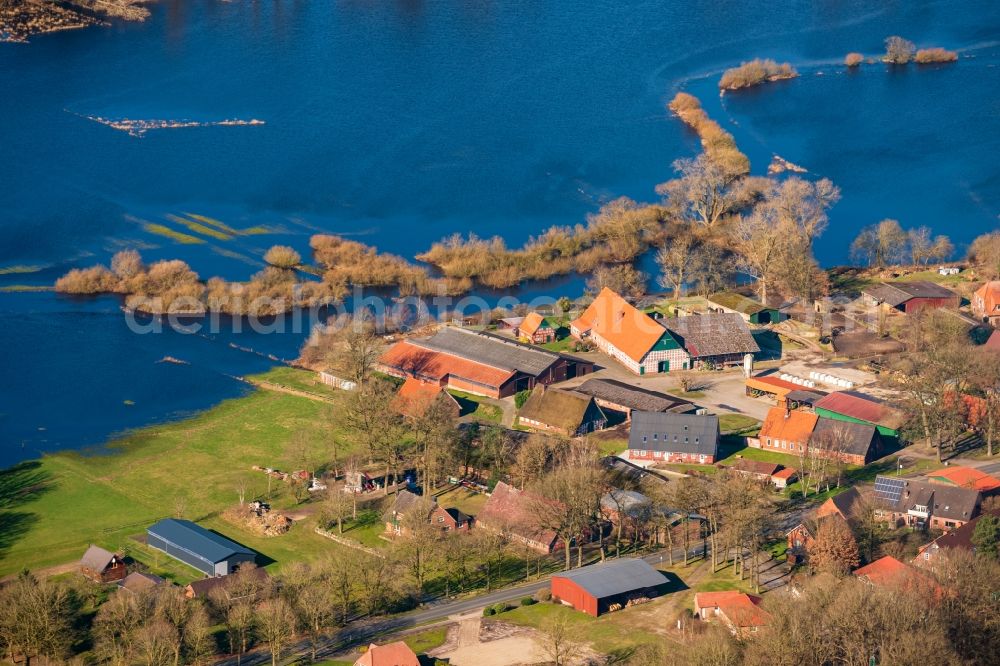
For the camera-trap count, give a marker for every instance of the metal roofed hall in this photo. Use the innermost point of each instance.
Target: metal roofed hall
(896, 293)
(489, 349)
(633, 397)
(192, 544)
(614, 577)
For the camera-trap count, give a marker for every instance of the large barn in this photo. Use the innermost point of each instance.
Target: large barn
(479, 362)
(910, 297)
(602, 588)
(208, 552)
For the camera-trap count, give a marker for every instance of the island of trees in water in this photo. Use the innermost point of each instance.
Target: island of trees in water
(713, 224)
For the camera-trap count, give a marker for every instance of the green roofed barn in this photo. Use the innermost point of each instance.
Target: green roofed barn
(208, 552)
(751, 310)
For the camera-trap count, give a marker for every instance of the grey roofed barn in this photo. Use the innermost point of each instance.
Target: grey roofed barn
(857, 437)
(633, 397)
(896, 293)
(192, 544)
(714, 334)
(614, 577)
(675, 433)
(493, 350)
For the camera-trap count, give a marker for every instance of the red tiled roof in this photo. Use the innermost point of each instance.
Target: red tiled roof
(789, 426)
(531, 324)
(993, 344)
(434, 365)
(884, 571)
(769, 383)
(990, 294)
(628, 329)
(510, 508)
(860, 407)
(391, 654)
(966, 477)
(786, 473)
(416, 396)
(742, 610)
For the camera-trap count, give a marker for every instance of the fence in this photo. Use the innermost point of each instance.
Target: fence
(337, 382)
(350, 543)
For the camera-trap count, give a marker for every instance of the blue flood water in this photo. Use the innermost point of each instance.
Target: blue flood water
(399, 123)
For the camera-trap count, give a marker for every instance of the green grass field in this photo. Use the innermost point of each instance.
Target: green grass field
(51, 509)
(607, 634)
(738, 423)
(301, 380)
(477, 406)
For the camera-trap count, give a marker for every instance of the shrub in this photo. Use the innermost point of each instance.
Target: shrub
(283, 256)
(501, 607)
(936, 54)
(755, 72)
(127, 264)
(528, 601)
(543, 594)
(898, 51)
(854, 59)
(521, 397)
(489, 611)
(93, 280)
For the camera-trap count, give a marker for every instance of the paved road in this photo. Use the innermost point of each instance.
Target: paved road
(362, 632)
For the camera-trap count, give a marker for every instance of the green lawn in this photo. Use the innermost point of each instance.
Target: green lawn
(52, 508)
(734, 447)
(299, 379)
(366, 530)
(607, 634)
(426, 640)
(738, 424)
(477, 406)
(463, 499)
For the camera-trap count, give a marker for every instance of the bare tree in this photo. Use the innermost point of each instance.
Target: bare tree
(276, 624)
(557, 638)
(881, 244)
(369, 413)
(37, 618)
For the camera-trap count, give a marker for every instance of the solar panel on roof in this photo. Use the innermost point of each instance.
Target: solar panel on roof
(889, 489)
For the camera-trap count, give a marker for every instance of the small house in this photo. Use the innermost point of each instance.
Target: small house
(753, 312)
(756, 469)
(254, 580)
(607, 587)
(390, 654)
(513, 511)
(852, 443)
(910, 297)
(674, 438)
(535, 328)
(986, 303)
(921, 504)
(208, 552)
(451, 519)
(739, 612)
(102, 566)
(403, 508)
(566, 412)
(966, 477)
(783, 478)
(959, 538)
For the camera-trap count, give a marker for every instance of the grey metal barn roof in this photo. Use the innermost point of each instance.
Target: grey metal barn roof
(677, 433)
(632, 397)
(197, 540)
(715, 334)
(614, 577)
(490, 349)
(897, 293)
(856, 436)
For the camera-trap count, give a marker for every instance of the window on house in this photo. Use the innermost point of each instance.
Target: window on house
(643, 439)
(654, 436)
(440, 519)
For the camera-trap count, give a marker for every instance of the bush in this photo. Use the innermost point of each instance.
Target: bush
(521, 397)
(898, 51)
(283, 256)
(854, 59)
(936, 54)
(528, 601)
(755, 72)
(543, 594)
(501, 607)
(93, 280)
(489, 611)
